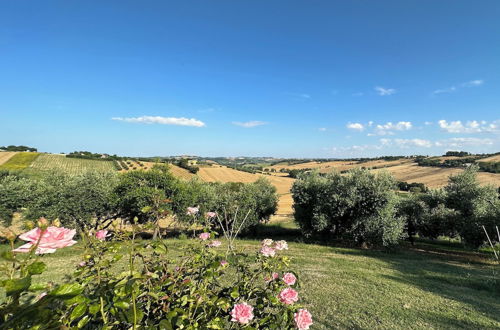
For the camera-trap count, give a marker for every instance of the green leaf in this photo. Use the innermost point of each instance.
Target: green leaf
(7, 255)
(122, 304)
(16, 285)
(165, 325)
(235, 293)
(37, 268)
(94, 309)
(83, 321)
(78, 311)
(67, 290)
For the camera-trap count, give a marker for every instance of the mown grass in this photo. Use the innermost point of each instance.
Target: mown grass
(429, 285)
(20, 161)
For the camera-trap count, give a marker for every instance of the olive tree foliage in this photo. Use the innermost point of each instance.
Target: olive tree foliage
(16, 191)
(460, 210)
(358, 206)
(82, 200)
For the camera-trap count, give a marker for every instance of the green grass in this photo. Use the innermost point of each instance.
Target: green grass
(47, 162)
(20, 161)
(430, 285)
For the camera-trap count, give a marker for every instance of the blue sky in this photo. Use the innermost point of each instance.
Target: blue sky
(255, 78)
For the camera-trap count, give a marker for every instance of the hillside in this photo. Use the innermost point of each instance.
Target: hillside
(70, 165)
(6, 155)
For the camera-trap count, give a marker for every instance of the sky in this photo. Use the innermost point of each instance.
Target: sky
(329, 79)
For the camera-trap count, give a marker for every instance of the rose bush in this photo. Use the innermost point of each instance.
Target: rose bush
(124, 283)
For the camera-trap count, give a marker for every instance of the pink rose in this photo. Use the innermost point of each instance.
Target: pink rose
(267, 251)
(82, 264)
(49, 240)
(224, 263)
(101, 234)
(267, 242)
(303, 319)
(204, 236)
(288, 296)
(215, 244)
(210, 215)
(281, 245)
(273, 277)
(242, 313)
(289, 278)
(192, 210)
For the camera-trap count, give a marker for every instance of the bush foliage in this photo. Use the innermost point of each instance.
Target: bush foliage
(358, 206)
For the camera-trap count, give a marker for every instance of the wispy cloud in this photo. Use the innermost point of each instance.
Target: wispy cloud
(180, 121)
(356, 127)
(464, 142)
(382, 91)
(250, 124)
(407, 143)
(454, 88)
(322, 129)
(472, 126)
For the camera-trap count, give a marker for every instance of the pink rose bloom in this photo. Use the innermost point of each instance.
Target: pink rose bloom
(289, 278)
(273, 277)
(82, 264)
(204, 236)
(281, 245)
(210, 215)
(267, 251)
(267, 242)
(215, 244)
(101, 234)
(224, 263)
(242, 313)
(288, 296)
(192, 210)
(303, 319)
(49, 240)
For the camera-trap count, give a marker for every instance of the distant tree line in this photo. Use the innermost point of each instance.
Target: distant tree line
(93, 156)
(18, 148)
(492, 167)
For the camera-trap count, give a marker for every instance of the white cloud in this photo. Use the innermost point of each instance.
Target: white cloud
(162, 120)
(428, 123)
(250, 124)
(322, 129)
(384, 91)
(356, 126)
(389, 128)
(452, 89)
(472, 126)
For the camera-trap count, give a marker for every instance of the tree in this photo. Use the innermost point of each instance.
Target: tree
(359, 206)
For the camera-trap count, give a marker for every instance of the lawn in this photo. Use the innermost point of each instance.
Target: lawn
(19, 161)
(430, 285)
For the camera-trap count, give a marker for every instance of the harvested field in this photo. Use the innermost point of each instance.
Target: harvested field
(435, 177)
(225, 174)
(339, 165)
(47, 162)
(6, 155)
(495, 158)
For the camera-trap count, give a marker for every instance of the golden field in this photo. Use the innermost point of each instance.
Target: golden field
(6, 155)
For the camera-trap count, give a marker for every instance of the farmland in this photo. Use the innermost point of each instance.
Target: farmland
(19, 161)
(47, 162)
(5, 156)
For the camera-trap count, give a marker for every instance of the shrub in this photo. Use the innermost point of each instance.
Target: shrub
(201, 289)
(359, 206)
